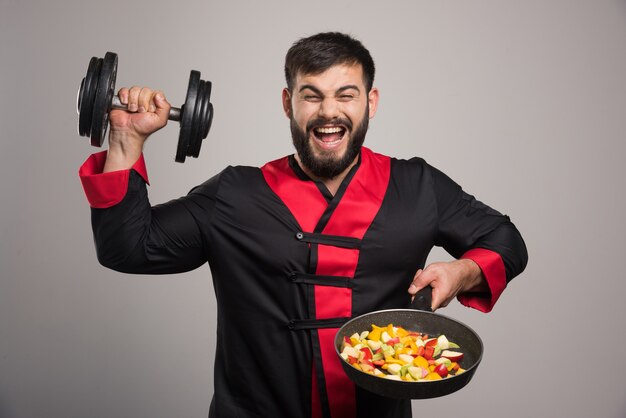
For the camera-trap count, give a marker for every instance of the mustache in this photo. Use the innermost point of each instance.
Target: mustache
(319, 122)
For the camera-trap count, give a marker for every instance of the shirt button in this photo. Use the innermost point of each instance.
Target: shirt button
(299, 235)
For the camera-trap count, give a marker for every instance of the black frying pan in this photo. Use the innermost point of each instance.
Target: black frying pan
(418, 318)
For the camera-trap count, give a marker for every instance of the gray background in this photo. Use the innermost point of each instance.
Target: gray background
(522, 102)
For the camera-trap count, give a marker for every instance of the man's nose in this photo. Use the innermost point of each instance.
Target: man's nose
(329, 108)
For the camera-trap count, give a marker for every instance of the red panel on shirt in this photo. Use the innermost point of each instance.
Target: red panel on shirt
(303, 198)
(351, 218)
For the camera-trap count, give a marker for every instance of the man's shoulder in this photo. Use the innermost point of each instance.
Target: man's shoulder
(415, 170)
(410, 162)
(411, 165)
(231, 177)
(419, 167)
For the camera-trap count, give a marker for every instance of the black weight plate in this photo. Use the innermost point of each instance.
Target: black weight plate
(198, 113)
(186, 120)
(81, 101)
(207, 111)
(202, 121)
(86, 96)
(208, 119)
(103, 98)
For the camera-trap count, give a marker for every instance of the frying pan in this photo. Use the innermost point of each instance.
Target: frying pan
(419, 317)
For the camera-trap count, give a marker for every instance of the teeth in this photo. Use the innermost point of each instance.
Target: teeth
(333, 130)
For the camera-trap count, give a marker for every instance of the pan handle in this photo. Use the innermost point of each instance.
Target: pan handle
(423, 300)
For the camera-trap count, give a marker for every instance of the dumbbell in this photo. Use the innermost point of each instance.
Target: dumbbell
(96, 98)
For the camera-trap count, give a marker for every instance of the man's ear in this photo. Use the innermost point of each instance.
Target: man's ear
(287, 102)
(372, 98)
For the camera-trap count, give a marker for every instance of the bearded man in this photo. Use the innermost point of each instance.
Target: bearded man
(304, 243)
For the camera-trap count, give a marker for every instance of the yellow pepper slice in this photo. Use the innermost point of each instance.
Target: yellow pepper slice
(375, 333)
(401, 332)
(420, 361)
(390, 360)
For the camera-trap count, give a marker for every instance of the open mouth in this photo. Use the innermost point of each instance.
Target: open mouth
(329, 135)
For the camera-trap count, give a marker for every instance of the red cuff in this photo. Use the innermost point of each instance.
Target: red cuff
(104, 190)
(492, 267)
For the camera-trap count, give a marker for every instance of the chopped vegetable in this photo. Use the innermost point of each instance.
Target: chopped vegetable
(394, 353)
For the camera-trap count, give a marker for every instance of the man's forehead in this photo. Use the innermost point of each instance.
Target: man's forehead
(337, 76)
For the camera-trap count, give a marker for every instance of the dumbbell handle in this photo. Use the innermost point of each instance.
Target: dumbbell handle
(174, 115)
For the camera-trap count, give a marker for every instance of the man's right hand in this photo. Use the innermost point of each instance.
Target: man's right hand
(148, 111)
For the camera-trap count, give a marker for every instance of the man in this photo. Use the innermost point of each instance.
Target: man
(302, 244)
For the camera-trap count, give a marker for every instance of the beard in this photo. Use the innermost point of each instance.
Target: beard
(327, 165)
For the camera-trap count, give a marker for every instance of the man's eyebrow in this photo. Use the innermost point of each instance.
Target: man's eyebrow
(310, 87)
(348, 87)
(339, 90)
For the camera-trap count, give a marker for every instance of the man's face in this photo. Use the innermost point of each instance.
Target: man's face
(329, 115)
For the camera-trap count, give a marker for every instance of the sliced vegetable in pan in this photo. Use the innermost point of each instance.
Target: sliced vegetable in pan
(393, 352)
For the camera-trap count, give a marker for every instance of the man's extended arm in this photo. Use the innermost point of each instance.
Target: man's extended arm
(130, 235)
(489, 249)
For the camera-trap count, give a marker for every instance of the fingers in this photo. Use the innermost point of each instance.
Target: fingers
(416, 284)
(143, 99)
(162, 106)
(123, 95)
(420, 281)
(146, 112)
(133, 99)
(436, 276)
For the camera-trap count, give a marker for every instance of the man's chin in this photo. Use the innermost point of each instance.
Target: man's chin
(327, 164)
(328, 155)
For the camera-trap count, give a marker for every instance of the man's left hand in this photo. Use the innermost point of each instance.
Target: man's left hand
(448, 279)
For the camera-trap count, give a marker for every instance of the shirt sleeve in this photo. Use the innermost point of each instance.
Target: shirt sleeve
(104, 190)
(467, 228)
(131, 235)
(493, 270)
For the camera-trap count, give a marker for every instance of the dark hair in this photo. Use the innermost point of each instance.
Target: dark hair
(317, 53)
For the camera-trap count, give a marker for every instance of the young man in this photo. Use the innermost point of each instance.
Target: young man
(304, 243)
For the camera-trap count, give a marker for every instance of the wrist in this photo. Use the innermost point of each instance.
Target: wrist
(124, 151)
(474, 280)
